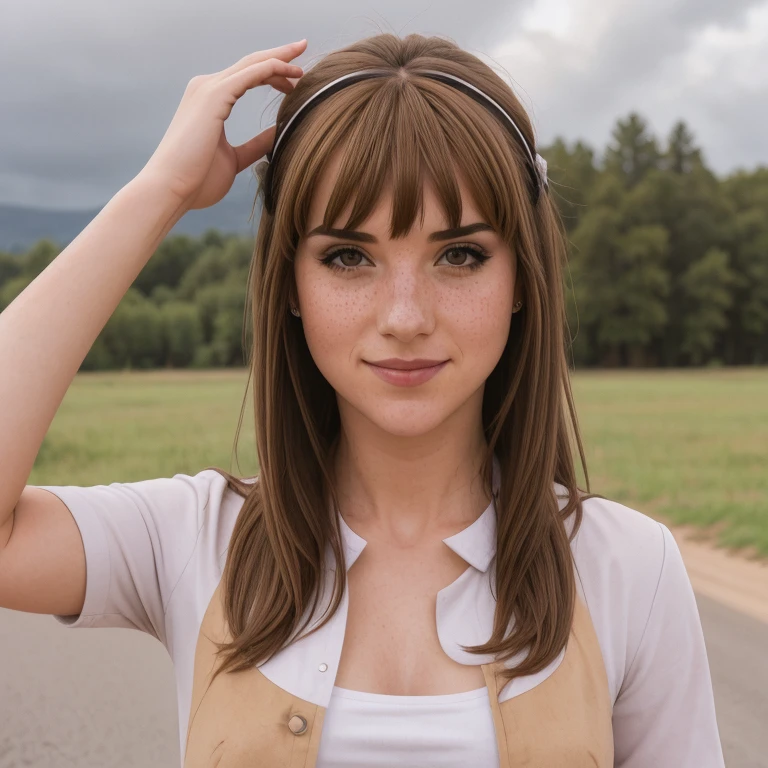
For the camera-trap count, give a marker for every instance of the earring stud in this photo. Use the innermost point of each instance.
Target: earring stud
(517, 306)
(295, 311)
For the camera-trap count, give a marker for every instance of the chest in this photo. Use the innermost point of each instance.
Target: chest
(453, 731)
(391, 643)
(245, 718)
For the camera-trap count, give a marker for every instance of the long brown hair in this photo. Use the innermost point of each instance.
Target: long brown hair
(403, 127)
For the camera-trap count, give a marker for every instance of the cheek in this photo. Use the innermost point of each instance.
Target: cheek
(477, 314)
(332, 316)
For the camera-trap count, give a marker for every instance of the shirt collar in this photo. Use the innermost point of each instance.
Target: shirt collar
(476, 544)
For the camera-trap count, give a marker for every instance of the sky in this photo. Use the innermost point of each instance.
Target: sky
(88, 87)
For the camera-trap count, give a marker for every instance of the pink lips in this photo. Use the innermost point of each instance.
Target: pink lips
(406, 373)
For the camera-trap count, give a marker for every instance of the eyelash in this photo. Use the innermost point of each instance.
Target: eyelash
(479, 254)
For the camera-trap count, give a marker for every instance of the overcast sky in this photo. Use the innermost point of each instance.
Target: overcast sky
(88, 87)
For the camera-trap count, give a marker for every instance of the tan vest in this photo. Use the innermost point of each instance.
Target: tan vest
(244, 720)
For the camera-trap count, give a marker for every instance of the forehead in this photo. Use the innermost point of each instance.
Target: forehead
(432, 211)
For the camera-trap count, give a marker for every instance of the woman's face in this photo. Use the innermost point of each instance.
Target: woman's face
(371, 305)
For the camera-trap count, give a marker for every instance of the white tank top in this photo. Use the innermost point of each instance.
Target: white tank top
(363, 730)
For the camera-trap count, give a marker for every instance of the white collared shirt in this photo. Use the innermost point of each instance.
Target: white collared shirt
(155, 551)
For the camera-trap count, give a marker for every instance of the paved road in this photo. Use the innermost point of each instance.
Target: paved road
(84, 698)
(105, 698)
(737, 646)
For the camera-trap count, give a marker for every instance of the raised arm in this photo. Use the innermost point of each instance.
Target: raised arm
(46, 332)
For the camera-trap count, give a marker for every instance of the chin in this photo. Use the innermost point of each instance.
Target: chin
(405, 419)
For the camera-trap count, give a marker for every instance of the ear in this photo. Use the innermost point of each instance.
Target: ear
(293, 296)
(519, 293)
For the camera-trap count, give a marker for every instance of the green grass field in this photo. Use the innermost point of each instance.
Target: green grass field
(684, 447)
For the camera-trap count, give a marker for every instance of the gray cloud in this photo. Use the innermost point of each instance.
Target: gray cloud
(88, 87)
(639, 60)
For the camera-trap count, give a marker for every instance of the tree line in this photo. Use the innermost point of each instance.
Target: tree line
(184, 310)
(668, 263)
(668, 266)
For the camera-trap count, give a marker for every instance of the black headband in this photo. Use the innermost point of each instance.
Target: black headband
(535, 163)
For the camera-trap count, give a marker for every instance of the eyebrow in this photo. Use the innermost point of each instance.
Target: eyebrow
(365, 237)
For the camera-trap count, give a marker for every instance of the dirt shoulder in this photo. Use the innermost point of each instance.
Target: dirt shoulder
(736, 579)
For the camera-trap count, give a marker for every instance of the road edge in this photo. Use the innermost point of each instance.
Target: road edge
(723, 575)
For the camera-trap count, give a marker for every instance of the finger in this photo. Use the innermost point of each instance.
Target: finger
(258, 74)
(284, 52)
(254, 149)
(282, 84)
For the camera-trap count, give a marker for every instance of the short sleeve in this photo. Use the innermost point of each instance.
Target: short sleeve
(664, 715)
(138, 538)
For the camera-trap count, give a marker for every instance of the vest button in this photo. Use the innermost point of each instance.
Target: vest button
(297, 724)
(323, 667)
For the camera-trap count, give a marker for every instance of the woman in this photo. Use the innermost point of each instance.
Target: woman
(411, 391)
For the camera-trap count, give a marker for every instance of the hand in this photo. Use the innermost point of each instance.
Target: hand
(194, 158)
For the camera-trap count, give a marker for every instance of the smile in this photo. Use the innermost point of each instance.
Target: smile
(408, 376)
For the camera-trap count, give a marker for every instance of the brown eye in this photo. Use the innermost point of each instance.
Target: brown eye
(349, 258)
(456, 257)
(344, 259)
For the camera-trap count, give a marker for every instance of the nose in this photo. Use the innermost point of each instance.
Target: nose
(405, 302)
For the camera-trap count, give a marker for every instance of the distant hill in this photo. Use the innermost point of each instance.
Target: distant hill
(22, 226)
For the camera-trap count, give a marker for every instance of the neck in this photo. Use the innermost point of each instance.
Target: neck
(410, 489)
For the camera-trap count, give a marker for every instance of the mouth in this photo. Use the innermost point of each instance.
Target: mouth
(406, 373)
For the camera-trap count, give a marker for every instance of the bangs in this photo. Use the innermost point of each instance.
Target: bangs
(401, 131)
